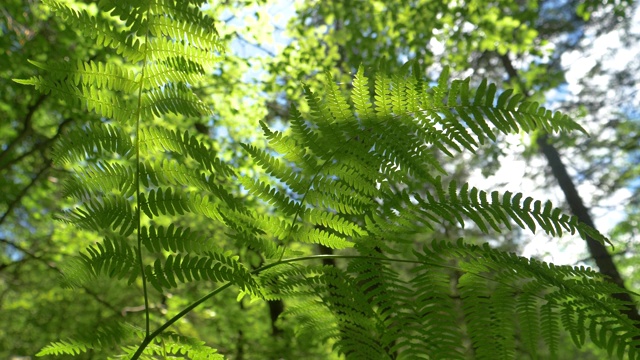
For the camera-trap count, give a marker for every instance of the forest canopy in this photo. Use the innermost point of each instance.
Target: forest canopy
(300, 180)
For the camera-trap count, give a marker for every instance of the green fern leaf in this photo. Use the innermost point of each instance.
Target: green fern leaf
(108, 214)
(174, 239)
(550, 329)
(361, 96)
(213, 266)
(113, 258)
(101, 178)
(104, 139)
(103, 337)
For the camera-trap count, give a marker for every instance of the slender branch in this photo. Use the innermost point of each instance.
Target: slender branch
(38, 147)
(19, 248)
(133, 309)
(23, 192)
(137, 183)
(51, 266)
(26, 129)
(13, 263)
(244, 40)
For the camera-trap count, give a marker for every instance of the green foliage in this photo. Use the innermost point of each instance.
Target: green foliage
(103, 338)
(361, 173)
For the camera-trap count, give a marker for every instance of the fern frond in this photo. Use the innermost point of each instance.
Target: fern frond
(275, 167)
(356, 320)
(101, 178)
(175, 344)
(114, 258)
(101, 338)
(475, 303)
(176, 99)
(173, 202)
(212, 266)
(110, 213)
(173, 70)
(361, 97)
(318, 236)
(163, 172)
(346, 163)
(101, 30)
(386, 292)
(103, 102)
(163, 49)
(250, 231)
(105, 139)
(539, 289)
(158, 138)
(271, 195)
(74, 273)
(174, 239)
(69, 347)
(340, 109)
(169, 172)
(102, 75)
(550, 328)
(356, 328)
(431, 312)
(333, 221)
(175, 19)
(193, 34)
(345, 177)
(497, 210)
(288, 282)
(177, 53)
(498, 291)
(449, 104)
(382, 95)
(528, 317)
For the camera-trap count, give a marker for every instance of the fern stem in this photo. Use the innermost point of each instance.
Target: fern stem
(137, 181)
(149, 337)
(147, 340)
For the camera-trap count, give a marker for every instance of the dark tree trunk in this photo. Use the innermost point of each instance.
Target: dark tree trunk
(598, 251)
(276, 307)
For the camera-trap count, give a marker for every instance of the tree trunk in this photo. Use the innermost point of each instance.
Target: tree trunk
(598, 251)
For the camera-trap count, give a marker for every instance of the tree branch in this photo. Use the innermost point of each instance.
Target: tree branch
(23, 192)
(51, 266)
(26, 129)
(38, 147)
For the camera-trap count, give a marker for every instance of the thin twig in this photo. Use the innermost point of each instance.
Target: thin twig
(26, 129)
(51, 266)
(38, 147)
(23, 192)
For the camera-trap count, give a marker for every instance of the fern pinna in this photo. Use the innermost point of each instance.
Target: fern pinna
(344, 175)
